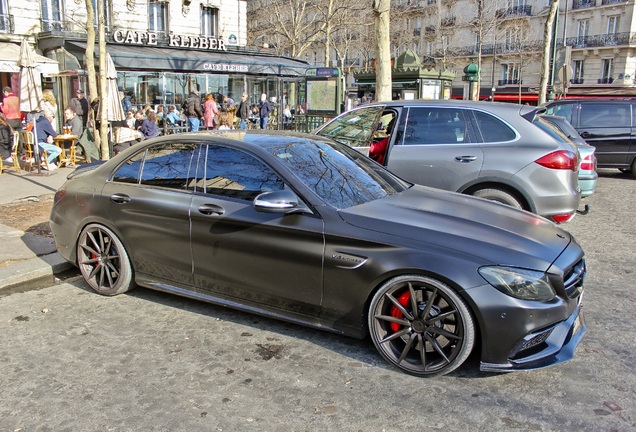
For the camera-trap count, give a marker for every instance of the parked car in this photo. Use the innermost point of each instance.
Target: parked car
(489, 150)
(300, 228)
(587, 160)
(607, 124)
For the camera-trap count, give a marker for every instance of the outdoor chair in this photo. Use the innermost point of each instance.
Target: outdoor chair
(14, 154)
(29, 142)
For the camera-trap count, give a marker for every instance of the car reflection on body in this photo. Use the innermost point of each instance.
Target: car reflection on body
(303, 229)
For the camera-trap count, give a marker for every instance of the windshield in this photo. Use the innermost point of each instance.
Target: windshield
(353, 128)
(341, 177)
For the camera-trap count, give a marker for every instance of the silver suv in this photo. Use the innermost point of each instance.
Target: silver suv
(489, 150)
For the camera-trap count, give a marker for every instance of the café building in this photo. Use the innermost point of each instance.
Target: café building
(162, 69)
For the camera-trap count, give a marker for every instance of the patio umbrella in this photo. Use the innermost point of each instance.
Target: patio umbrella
(115, 110)
(30, 89)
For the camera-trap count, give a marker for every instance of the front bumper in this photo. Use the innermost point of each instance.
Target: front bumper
(546, 347)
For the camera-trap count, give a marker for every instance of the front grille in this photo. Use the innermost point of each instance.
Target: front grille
(574, 278)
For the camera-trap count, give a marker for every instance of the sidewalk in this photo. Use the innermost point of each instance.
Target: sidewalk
(27, 260)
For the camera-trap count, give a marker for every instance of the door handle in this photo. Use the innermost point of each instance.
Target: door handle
(585, 134)
(211, 209)
(120, 198)
(465, 158)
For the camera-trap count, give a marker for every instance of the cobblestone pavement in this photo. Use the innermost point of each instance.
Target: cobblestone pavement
(75, 361)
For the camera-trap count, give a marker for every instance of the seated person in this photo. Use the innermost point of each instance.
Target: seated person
(45, 135)
(377, 152)
(73, 121)
(173, 116)
(149, 125)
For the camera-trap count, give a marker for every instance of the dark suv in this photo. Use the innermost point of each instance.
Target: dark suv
(607, 124)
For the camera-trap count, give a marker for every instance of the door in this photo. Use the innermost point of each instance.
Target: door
(436, 148)
(149, 202)
(354, 128)
(607, 126)
(263, 258)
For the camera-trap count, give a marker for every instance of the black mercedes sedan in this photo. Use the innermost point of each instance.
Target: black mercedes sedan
(303, 229)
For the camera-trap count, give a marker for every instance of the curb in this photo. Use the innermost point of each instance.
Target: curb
(32, 273)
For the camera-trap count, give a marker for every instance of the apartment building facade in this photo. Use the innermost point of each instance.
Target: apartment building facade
(162, 49)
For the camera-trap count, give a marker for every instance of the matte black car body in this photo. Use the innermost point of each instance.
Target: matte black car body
(327, 239)
(607, 124)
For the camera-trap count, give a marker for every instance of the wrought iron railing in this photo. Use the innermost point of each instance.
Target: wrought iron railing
(448, 21)
(609, 2)
(509, 82)
(514, 11)
(625, 38)
(582, 4)
(605, 80)
(6, 23)
(577, 81)
(501, 48)
(54, 25)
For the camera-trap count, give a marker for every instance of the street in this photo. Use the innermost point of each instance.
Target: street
(73, 360)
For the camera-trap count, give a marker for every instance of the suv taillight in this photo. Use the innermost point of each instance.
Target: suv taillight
(560, 159)
(588, 163)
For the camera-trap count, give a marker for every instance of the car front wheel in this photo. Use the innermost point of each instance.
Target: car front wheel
(499, 196)
(421, 325)
(103, 261)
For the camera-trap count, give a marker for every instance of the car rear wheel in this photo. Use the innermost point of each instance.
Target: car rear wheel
(499, 196)
(103, 261)
(421, 325)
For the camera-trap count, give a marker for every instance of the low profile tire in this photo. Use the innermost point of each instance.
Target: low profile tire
(103, 261)
(421, 325)
(499, 196)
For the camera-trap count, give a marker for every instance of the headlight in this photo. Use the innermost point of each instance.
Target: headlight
(519, 283)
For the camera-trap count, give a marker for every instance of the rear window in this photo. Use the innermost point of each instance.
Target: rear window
(563, 110)
(493, 129)
(605, 115)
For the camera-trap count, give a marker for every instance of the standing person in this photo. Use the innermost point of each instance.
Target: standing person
(264, 108)
(126, 102)
(10, 107)
(79, 104)
(211, 110)
(244, 111)
(73, 121)
(6, 140)
(45, 135)
(193, 110)
(50, 106)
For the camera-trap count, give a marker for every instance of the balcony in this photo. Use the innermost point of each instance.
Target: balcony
(448, 21)
(577, 81)
(609, 2)
(515, 11)
(429, 30)
(605, 80)
(6, 23)
(605, 40)
(509, 82)
(582, 4)
(53, 25)
(417, 32)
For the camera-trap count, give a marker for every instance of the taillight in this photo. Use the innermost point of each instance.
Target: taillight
(59, 195)
(563, 218)
(588, 163)
(560, 159)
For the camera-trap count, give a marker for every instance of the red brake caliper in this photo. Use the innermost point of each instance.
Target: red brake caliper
(403, 299)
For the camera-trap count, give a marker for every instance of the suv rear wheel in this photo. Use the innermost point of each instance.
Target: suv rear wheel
(499, 196)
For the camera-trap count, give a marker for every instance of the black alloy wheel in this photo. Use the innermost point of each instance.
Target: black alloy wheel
(421, 325)
(103, 261)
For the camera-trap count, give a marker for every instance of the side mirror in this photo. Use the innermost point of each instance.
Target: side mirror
(280, 201)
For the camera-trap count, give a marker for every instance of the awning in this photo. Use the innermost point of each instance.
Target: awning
(9, 54)
(143, 58)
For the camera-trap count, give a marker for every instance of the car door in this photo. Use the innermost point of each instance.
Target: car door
(354, 128)
(267, 259)
(607, 126)
(149, 200)
(435, 147)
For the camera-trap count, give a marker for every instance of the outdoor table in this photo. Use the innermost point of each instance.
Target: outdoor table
(67, 159)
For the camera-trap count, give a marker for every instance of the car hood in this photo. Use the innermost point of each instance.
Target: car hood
(496, 233)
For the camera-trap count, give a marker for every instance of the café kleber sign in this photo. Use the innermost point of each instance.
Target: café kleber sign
(132, 37)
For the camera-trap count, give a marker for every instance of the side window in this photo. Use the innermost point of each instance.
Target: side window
(563, 110)
(426, 125)
(168, 166)
(492, 129)
(234, 174)
(605, 115)
(129, 171)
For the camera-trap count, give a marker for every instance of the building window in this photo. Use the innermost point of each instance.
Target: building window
(51, 15)
(581, 32)
(209, 21)
(577, 77)
(158, 16)
(612, 29)
(509, 74)
(6, 20)
(607, 68)
(106, 13)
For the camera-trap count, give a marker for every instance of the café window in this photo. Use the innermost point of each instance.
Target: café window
(209, 21)
(158, 16)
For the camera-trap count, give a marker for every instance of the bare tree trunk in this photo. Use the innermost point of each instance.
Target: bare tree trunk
(103, 100)
(90, 50)
(383, 84)
(547, 40)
